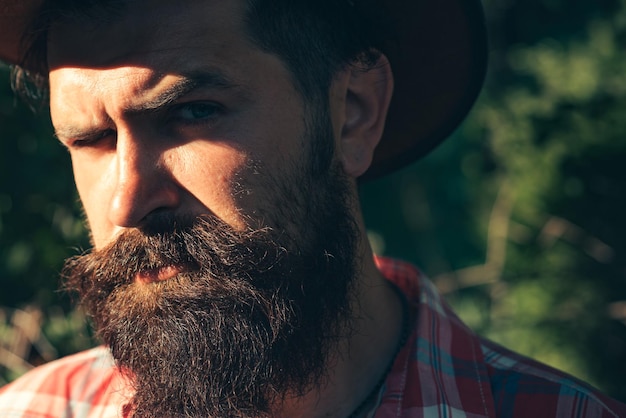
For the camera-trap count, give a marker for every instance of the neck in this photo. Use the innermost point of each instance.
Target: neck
(360, 362)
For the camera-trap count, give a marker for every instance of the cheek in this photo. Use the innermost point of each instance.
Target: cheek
(211, 176)
(94, 184)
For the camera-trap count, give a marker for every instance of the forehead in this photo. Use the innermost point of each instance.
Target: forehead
(153, 33)
(102, 69)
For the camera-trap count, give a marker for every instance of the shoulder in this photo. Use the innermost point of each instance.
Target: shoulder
(80, 385)
(522, 387)
(450, 368)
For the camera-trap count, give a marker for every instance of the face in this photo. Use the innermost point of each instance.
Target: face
(182, 117)
(224, 256)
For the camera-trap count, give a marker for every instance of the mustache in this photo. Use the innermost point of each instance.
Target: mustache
(199, 245)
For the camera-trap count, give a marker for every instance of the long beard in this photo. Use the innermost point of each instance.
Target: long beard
(252, 318)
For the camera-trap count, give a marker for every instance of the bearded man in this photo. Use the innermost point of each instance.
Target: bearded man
(216, 148)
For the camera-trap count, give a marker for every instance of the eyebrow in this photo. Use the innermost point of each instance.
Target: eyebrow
(206, 80)
(76, 133)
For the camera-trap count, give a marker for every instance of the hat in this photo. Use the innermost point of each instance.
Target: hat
(439, 59)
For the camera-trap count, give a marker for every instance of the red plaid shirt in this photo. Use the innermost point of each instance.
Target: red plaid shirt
(444, 371)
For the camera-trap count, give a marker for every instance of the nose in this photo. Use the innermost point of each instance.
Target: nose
(143, 184)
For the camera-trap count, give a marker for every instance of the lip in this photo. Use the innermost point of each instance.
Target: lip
(158, 274)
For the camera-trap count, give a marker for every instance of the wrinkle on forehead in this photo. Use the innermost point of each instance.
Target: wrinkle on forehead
(79, 82)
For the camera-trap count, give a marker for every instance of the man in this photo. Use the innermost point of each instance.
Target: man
(216, 148)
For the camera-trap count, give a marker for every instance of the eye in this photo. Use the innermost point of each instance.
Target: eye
(93, 140)
(196, 111)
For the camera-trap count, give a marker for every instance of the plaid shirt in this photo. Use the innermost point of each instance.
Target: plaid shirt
(443, 371)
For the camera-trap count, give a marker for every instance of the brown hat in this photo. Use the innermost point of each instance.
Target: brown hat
(439, 61)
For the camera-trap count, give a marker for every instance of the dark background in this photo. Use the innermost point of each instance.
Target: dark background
(518, 218)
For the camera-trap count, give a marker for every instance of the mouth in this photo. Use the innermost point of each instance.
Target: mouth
(158, 274)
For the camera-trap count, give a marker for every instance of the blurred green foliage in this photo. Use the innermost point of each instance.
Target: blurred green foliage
(518, 218)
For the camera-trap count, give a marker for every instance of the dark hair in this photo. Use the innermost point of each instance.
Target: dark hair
(315, 38)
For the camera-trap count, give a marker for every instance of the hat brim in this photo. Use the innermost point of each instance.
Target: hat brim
(439, 60)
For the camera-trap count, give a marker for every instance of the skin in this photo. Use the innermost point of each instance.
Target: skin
(177, 117)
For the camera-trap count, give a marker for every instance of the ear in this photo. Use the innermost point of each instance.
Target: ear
(366, 94)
